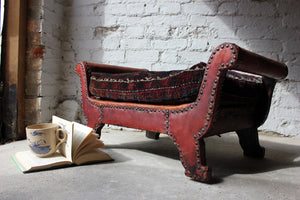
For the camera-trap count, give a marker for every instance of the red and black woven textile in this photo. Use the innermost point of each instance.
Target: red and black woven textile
(152, 87)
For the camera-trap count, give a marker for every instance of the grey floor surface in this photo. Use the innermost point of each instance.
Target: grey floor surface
(150, 169)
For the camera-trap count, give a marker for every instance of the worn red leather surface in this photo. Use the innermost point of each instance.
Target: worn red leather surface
(187, 124)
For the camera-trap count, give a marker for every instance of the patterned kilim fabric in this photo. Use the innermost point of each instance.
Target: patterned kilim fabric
(161, 87)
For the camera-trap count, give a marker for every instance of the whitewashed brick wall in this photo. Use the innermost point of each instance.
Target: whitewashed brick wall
(51, 73)
(169, 34)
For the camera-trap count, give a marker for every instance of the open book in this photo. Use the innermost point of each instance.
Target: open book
(82, 146)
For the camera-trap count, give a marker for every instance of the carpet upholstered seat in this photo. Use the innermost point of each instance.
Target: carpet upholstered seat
(232, 92)
(161, 87)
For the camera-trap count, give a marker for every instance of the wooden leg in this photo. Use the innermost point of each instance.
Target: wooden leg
(98, 130)
(152, 135)
(250, 144)
(193, 159)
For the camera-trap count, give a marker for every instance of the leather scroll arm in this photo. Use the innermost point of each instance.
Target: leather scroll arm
(253, 63)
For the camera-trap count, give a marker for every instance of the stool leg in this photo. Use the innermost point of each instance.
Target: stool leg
(152, 135)
(98, 130)
(193, 159)
(250, 144)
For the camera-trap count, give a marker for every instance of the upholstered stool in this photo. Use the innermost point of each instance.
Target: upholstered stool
(232, 92)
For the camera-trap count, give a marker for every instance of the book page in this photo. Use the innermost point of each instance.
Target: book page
(95, 155)
(65, 148)
(30, 162)
(90, 142)
(81, 132)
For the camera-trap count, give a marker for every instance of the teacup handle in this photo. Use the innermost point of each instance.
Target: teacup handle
(61, 140)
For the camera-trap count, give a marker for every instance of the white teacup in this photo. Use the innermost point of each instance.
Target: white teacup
(44, 139)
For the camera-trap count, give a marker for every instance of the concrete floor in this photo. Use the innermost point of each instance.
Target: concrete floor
(150, 169)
